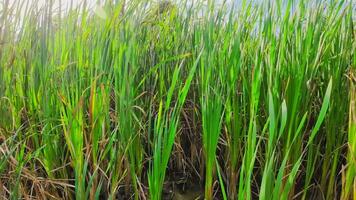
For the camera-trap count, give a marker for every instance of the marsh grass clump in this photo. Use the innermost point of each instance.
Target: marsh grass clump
(178, 100)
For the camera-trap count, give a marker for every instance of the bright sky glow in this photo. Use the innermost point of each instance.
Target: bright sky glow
(65, 4)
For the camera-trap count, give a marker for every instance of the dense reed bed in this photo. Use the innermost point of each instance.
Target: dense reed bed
(183, 100)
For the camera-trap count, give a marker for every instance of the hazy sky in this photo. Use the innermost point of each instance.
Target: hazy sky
(66, 3)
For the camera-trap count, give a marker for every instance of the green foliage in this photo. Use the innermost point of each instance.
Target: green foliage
(249, 101)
